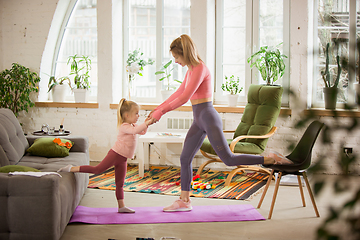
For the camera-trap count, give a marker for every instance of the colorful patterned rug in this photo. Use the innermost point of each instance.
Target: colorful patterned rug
(163, 180)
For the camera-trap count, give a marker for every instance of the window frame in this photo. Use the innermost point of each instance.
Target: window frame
(159, 61)
(252, 45)
(312, 100)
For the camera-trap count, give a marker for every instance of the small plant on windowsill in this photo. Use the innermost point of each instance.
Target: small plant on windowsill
(80, 68)
(134, 65)
(269, 62)
(58, 87)
(232, 86)
(166, 70)
(357, 70)
(331, 87)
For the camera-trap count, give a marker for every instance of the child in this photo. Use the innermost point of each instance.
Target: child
(124, 147)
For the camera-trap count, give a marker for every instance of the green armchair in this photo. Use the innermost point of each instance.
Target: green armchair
(254, 130)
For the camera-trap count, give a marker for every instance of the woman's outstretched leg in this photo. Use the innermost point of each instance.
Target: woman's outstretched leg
(212, 124)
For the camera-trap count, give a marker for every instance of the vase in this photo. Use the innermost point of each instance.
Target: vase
(58, 93)
(357, 91)
(330, 97)
(131, 86)
(81, 95)
(232, 100)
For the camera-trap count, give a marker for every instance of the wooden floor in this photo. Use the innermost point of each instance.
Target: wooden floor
(290, 220)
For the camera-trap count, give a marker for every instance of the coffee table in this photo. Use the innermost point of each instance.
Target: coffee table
(155, 137)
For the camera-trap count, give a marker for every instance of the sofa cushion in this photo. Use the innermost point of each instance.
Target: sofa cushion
(17, 168)
(53, 164)
(13, 142)
(46, 147)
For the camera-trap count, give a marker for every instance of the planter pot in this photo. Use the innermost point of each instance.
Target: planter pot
(357, 91)
(330, 96)
(58, 93)
(81, 95)
(165, 94)
(232, 100)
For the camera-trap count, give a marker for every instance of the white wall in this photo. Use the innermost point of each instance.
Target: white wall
(24, 29)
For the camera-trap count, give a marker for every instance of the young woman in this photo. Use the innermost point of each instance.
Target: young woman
(124, 148)
(207, 122)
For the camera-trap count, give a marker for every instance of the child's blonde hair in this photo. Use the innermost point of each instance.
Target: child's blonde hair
(123, 107)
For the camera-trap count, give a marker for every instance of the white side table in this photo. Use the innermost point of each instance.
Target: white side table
(154, 137)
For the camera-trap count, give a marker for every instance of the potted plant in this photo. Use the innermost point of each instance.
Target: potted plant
(331, 87)
(232, 86)
(134, 65)
(166, 70)
(269, 62)
(357, 69)
(80, 68)
(16, 86)
(58, 88)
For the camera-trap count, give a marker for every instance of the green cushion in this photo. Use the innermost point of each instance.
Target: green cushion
(45, 147)
(17, 168)
(260, 114)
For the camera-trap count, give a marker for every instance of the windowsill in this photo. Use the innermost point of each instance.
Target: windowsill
(67, 104)
(219, 108)
(332, 113)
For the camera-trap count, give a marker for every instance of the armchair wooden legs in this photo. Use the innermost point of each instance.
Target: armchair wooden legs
(277, 188)
(266, 188)
(212, 159)
(233, 172)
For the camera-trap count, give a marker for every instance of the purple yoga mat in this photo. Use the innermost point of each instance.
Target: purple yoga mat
(213, 213)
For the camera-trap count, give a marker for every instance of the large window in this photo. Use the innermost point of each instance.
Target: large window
(151, 26)
(337, 23)
(243, 27)
(79, 37)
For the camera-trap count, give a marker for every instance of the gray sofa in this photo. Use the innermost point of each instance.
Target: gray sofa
(37, 207)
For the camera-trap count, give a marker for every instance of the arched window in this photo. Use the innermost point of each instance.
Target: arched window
(76, 34)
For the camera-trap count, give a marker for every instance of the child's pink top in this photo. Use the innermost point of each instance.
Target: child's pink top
(196, 85)
(126, 139)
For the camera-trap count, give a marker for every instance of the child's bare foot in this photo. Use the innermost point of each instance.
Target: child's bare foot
(65, 169)
(279, 158)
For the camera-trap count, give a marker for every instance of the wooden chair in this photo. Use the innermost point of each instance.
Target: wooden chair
(256, 126)
(301, 156)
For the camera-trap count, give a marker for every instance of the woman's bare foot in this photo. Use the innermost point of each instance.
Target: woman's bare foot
(279, 158)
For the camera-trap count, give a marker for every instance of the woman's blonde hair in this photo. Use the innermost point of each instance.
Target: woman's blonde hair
(123, 107)
(185, 47)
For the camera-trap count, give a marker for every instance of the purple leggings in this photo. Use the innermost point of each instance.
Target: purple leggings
(207, 121)
(120, 164)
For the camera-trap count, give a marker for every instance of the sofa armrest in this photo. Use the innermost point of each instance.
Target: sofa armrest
(30, 206)
(81, 143)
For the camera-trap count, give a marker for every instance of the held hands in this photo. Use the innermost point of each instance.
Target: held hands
(150, 120)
